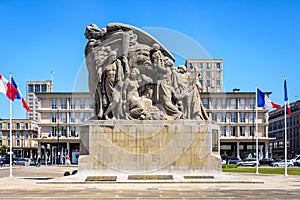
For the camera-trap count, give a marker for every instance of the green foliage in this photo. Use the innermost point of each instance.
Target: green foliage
(264, 170)
(229, 166)
(3, 149)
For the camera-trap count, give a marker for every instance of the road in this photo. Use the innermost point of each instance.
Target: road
(25, 184)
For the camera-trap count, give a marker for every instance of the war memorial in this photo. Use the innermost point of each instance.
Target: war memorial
(149, 119)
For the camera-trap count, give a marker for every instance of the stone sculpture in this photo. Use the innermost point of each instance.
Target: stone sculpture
(132, 76)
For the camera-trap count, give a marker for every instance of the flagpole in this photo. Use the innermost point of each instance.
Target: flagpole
(285, 148)
(256, 130)
(10, 133)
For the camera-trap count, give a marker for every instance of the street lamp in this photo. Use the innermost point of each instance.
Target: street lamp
(57, 132)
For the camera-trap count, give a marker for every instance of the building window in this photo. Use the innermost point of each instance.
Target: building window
(201, 75)
(224, 104)
(223, 132)
(205, 103)
(17, 143)
(201, 82)
(224, 117)
(214, 103)
(44, 88)
(63, 103)
(232, 131)
(208, 83)
(26, 134)
(63, 117)
(207, 66)
(218, 65)
(214, 116)
(53, 131)
(251, 103)
(37, 88)
(72, 104)
(63, 131)
(8, 125)
(72, 117)
(243, 117)
(26, 126)
(232, 117)
(53, 104)
(18, 134)
(201, 65)
(242, 103)
(218, 83)
(208, 74)
(81, 117)
(0, 142)
(233, 104)
(1, 134)
(18, 125)
(82, 104)
(251, 130)
(242, 131)
(1, 126)
(53, 117)
(30, 88)
(251, 117)
(73, 131)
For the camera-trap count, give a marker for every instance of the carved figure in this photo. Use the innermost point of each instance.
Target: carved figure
(132, 76)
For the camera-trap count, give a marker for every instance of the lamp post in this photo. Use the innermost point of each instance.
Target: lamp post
(57, 130)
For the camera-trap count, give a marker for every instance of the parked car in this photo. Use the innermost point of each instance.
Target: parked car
(233, 160)
(266, 161)
(296, 159)
(247, 162)
(281, 163)
(24, 161)
(6, 160)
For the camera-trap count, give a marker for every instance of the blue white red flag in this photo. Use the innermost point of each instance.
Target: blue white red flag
(264, 101)
(19, 95)
(286, 99)
(7, 88)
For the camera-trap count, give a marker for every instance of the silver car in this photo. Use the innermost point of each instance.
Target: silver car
(281, 163)
(247, 162)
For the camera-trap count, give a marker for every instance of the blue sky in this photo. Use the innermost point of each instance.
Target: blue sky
(257, 40)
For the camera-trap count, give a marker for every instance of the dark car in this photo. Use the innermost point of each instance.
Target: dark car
(266, 161)
(233, 160)
(6, 161)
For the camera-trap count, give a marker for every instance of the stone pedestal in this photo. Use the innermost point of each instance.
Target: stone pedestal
(122, 148)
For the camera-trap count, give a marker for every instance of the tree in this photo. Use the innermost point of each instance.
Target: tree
(3, 149)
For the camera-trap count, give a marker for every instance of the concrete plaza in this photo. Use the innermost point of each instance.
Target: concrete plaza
(29, 183)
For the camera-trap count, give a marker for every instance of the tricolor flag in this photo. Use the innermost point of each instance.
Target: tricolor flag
(286, 99)
(19, 95)
(264, 101)
(7, 88)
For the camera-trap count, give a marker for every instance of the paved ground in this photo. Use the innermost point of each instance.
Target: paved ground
(26, 184)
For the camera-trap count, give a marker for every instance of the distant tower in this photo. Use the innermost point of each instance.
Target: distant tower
(33, 87)
(210, 73)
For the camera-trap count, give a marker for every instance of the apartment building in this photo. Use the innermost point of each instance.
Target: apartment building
(235, 113)
(33, 87)
(24, 135)
(277, 129)
(60, 115)
(210, 73)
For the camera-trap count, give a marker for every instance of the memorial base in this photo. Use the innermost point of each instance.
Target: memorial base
(149, 150)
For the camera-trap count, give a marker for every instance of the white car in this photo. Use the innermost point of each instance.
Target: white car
(281, 163)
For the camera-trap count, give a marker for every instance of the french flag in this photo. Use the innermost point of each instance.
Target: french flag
(264, 101)
(286, 99)
(19, 95)
(7, 88)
